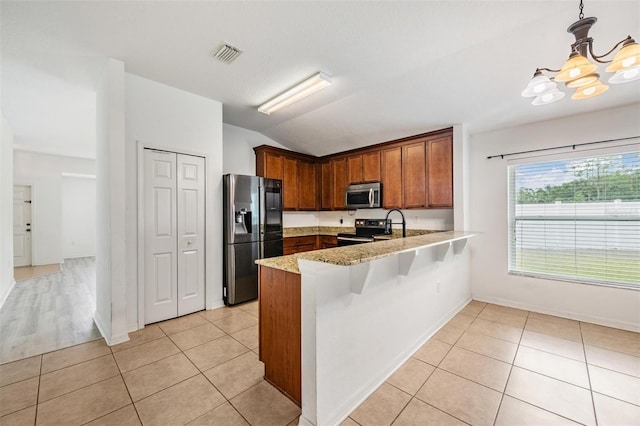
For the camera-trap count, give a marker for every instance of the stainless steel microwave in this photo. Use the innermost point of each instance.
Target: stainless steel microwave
(364, 196)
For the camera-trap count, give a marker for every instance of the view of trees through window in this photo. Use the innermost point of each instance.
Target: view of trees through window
(577, 219)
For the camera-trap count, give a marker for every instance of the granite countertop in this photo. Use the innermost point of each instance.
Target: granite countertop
(361, 253)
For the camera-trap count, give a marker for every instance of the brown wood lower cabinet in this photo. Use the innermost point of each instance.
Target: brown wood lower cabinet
(280, 330)
(291, 245)
(327, 241)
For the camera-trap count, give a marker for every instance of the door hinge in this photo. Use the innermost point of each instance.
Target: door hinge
(224, 292)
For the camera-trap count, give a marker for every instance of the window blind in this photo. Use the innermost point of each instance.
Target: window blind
(577, 219)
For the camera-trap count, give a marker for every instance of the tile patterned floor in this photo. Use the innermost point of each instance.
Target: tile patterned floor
(489, 365)
(201, 369)
(493, 365)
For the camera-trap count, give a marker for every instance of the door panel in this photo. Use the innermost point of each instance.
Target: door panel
(21, 225)
(160, 233)
(191, 226)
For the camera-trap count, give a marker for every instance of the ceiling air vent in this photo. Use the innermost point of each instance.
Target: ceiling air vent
(226, 53)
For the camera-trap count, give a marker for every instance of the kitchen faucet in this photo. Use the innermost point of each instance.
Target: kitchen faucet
(404, 222)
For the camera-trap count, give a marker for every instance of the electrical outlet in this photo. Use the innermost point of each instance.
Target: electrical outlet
(341, 221)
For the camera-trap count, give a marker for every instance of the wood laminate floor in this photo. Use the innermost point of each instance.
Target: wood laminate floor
(50, 312)
(23, 273)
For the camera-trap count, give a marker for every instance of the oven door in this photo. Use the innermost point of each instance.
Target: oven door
(349, 241)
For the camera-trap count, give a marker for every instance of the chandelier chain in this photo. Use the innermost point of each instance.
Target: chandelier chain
(581, 15)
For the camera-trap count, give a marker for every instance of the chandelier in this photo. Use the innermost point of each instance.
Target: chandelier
(579, 73)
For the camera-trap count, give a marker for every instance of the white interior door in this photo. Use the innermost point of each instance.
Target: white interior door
(191, 264)
(160, 231)
(21, 225)
(174, 227)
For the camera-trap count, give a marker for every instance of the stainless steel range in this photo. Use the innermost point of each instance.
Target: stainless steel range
(366, 229)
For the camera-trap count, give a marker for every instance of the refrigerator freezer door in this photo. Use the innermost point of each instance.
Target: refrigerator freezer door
(241, 272)
(241, 208)
(271, 210)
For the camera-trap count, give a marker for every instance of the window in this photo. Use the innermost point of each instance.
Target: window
(577, 219)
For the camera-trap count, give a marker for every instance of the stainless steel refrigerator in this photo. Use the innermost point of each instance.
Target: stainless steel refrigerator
(252, 230)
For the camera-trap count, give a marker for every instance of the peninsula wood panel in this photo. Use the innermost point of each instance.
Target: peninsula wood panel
(392, 178)
(415, 175)
(371, 167)
(440, 169)
(307, 185)
(280, 330)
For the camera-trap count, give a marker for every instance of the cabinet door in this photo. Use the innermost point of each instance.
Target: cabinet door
(392, 178)
(371, 167)
(415, 175)
(354, 169)
(339, 168)
(290, 184)
(308, 184)
(273, 166)
(440, 160)
(326, 186)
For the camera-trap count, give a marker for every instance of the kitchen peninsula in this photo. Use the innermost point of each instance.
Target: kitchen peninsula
(335, 323)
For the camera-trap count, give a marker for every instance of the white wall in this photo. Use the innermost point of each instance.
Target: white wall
(441, 219)
(239, 142)
(44, 173)
(488, 206)
(111, 303)
(163, 117)
(78, 217)
(6, 210)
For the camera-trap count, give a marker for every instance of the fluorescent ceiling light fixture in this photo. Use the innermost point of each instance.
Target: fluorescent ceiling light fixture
(579, 72)
(297, 92)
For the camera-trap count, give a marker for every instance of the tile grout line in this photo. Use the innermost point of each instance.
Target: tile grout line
(586, 366)
(125, 386)
(506, 383)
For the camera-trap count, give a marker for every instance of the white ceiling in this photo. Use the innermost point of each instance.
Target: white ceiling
(398, 68)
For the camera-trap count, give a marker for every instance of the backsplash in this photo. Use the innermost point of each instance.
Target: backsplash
(441, 219)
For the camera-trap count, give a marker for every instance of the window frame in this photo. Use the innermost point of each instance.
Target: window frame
(633, 146)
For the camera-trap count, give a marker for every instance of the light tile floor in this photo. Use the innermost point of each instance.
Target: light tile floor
(489, 365)
(493, 365)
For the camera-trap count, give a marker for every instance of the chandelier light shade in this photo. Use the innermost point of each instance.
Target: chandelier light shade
(302, 90)
(580, 71)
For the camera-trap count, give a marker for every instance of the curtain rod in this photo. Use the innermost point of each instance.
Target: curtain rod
(572, 146)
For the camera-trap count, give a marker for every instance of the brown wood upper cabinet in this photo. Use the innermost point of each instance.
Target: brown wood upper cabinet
(392, 178)
(354, 169)
(414, 175)
(307, 185)
(297, 172)
(440, 167)
(362, 168)
(326, 186)
(371, 166)
(339, 168)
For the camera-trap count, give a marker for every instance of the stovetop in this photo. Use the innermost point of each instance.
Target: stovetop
(369, 228)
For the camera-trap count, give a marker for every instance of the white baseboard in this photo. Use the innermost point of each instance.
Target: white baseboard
(368, 388)
(108, 338)
(215, 305)
(6, 295)
(578, 316)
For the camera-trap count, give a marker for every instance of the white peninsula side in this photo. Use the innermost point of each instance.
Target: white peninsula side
(364, 310)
